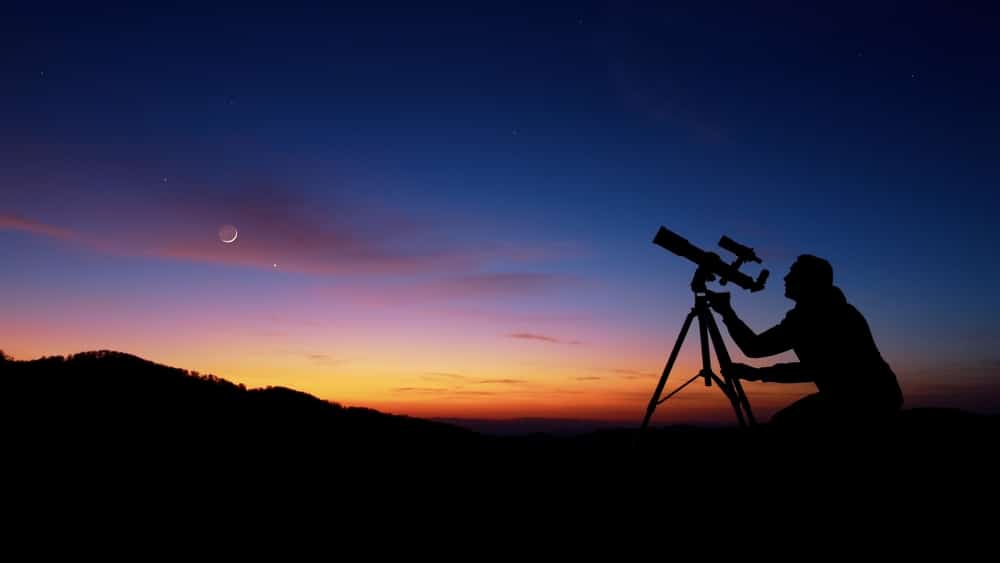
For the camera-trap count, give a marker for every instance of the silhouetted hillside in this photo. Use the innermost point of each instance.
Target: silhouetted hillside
(99, 406)
(110, 399)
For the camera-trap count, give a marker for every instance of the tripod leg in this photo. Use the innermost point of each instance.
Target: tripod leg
(655, 399)
(706, 358)
(744, 401)
(708, 321)
(733, 388)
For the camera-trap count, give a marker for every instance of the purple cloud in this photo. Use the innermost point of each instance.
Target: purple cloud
(11, 222)
(469, 287)
(273, 235)
(532, 336)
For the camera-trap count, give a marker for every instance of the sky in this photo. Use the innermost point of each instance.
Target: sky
(446, 209)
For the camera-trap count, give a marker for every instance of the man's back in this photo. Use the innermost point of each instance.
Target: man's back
(833, 341)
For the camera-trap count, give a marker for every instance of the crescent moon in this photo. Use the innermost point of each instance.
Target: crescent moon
(228, 234)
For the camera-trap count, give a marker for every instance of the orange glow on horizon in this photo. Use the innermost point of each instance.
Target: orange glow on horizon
(415, 386)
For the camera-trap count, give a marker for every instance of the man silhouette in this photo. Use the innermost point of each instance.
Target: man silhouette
(835, 348)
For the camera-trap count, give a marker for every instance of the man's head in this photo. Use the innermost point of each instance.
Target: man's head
(808, 276)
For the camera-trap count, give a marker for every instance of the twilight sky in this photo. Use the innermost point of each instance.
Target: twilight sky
(445, 209)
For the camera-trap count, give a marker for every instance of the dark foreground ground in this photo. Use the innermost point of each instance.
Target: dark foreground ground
(106, 421)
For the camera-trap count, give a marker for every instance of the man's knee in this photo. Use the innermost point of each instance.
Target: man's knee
(808, 412)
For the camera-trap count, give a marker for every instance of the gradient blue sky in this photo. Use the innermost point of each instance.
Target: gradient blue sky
(437, 175)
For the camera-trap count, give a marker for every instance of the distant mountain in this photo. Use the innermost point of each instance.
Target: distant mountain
(534, 425)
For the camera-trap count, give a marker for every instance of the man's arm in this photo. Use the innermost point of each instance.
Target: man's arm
(785, 373)
(774, 340)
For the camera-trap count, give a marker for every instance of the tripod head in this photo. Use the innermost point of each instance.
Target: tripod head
(710, 265)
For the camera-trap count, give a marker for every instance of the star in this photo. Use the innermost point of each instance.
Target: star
(164, 179)
(275, 266)
(913, 75)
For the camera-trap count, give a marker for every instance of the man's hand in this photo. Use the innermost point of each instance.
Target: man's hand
(720, 302)
(742, 371)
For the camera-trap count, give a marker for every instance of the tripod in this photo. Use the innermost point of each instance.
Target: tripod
(707, 328)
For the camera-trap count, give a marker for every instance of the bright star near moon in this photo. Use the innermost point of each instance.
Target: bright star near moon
(228, 234)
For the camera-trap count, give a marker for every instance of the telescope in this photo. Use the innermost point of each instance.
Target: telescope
(710, 267)
(710, 264)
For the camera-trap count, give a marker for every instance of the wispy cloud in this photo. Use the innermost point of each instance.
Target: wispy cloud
(447, 375)
(588, 378)
(313, 357)
(446, 384)
(323, 359)
(533, 336)
(279, 228)
(506, 315)
(294, 242)
(473, 287)
(443, 392)
(293, 245)
(632, 373)
(508, 283)
(12, 222)
(422, 390)
(15, 222)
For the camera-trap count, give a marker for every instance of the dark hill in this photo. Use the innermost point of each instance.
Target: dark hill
(113, 406)
(114, 400)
